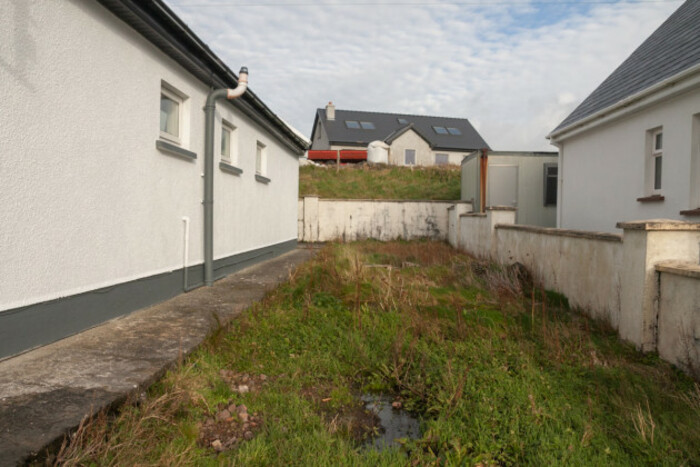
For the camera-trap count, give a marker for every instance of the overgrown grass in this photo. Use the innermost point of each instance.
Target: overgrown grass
(380, 182)
(498, 373)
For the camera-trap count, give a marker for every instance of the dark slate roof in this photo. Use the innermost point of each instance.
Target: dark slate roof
(672, 48)
(387, 125)
(156, 22)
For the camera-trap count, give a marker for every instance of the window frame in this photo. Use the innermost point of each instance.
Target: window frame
(179, 98)
(367, 125)
(348, 122)
(654, 163)
(440, 130)
(547, 179)
(232, 155)
(454, 131)
(447, 158)
(260, 158)
(405, 156)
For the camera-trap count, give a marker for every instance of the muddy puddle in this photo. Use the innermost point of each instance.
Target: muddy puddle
(394, 423)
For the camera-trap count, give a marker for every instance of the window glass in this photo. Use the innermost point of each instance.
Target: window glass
(657, 172)
(352, 124)
(225, 143)
(454, 131)
(367, 125)
(441, 159)
(410, 157)
(402, 121)
(550, 185)
(440, 130)
(658, 141)
(169, 116)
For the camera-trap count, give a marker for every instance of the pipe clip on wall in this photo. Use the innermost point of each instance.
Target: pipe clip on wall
(210, 114)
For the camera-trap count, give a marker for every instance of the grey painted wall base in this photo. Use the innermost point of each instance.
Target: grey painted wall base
(35, 325)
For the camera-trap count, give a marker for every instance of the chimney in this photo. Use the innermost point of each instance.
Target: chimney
(330, 111)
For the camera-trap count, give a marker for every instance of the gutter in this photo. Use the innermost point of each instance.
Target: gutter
(664, 89)
(210, 122)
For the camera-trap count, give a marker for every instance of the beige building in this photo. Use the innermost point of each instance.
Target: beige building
(411, 139)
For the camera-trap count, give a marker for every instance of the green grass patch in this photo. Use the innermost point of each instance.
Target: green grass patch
(380, 182)
(495, 378)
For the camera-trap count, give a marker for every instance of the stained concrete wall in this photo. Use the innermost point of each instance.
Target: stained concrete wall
(679, 316)
(323, 220)
(625, 280)
(583, 266)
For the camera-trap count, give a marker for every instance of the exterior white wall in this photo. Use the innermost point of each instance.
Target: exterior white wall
(602, 170)
(348, 220)
(531, 208)
(424, 154)
(87, 199)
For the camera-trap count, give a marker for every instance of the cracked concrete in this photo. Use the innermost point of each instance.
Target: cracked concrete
(46, 392)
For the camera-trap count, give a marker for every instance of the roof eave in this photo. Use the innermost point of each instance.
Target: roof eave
(204, 64)
(670, 87)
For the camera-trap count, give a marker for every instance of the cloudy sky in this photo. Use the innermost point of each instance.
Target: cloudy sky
(514, 68)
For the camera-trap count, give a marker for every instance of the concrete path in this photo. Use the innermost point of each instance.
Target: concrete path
(47, 392)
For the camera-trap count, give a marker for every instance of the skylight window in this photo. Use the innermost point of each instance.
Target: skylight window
(352, 124)
(454, 131)
(367, 125)
(440, 130)
(402, 121)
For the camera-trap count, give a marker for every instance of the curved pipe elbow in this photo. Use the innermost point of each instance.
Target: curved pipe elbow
(242, 85)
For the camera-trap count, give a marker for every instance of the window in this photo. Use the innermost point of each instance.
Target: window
(657, 157)
(229, 142)
(352, 124)
(367, 125)
(441, 159)
(654, 163)
(550, 184)
(454, 131)
(260, 156)
(402, 121)
(410, 157)
(440, 130)
(171, 111)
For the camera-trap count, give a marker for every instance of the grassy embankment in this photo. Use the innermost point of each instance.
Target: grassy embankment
(380, 182)
(496, 378)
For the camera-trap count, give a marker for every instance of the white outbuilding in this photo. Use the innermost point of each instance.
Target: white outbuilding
(113, 198)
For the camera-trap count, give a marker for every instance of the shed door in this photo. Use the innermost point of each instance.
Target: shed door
(503, 185)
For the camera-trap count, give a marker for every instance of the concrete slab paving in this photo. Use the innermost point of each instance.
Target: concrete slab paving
(46, 392)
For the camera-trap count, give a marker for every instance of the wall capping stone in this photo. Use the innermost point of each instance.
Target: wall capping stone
(680, 268)
(659, 225)
(608, 237)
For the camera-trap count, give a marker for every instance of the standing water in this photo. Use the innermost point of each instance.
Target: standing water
(394, 423)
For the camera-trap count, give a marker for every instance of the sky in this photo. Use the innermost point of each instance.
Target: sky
(514, 68)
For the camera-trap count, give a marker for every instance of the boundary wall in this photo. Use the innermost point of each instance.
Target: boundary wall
(645, 283)
(322, 220)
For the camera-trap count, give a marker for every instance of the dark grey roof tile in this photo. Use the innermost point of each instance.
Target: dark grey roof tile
(671, 49)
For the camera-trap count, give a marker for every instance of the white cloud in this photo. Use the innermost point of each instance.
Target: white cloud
(514, 82)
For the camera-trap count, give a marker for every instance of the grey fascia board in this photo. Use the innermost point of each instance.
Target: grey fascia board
(232, 169)
(262, 179)
(175, 150)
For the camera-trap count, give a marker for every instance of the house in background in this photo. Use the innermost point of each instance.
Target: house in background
(102, 183)
(631, 150)
(412, 139)
(526, 181)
